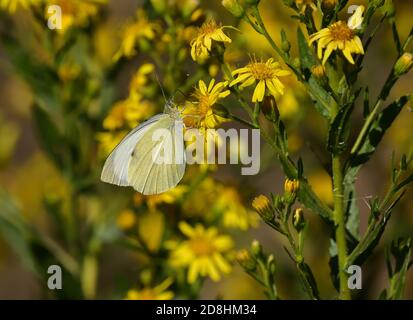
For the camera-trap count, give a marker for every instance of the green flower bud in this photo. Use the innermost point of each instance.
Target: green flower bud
(234, 8)
(388, 9)
(404, 64)
(256, 248)
(328, 5)
(269, 108)
(245, 260)
(271, 263)
(285, 45)
(262, 205)
(159, 5)
(297, 63)
(291, 189)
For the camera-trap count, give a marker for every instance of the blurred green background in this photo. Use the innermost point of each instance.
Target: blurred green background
(29, 176)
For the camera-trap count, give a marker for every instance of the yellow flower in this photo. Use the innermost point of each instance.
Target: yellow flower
(340, 36)
(141, 29)
(205, 252)
(156, 293)
(201, 46)
(108, 141)
(304, 4)
(12, 5)
(202, 113)
(126, 219)
(265, 73)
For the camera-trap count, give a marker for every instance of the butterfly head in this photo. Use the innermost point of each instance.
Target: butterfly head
(173, 110)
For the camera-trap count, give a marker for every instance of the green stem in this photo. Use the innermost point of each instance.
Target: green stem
(339, 220)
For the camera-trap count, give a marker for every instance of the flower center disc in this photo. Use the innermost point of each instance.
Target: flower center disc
(260, 71)
(340, 31)
(201, 247)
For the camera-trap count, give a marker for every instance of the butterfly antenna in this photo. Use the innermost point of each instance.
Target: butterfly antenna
(160, 86)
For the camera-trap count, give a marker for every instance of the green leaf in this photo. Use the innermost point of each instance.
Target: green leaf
(323, 100)
(372, 236)
(49, 135)
(339, 128)
(307, 57)
(352, 212)
(376, 132)
(401, 252)
(308, 280)
(14, 230)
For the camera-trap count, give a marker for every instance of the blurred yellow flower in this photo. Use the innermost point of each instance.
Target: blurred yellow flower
(12, 5)
(205, 252)
(108, 141)
(151, 228)
(75, 12)
(320, 181)
(169, 197)
(234, 213)
(138, 110)
(140, 78)
(126, 219)
(265, 73)
(116, 117)
(288, 105)
(340, 36)
(68, 71)
(142, 28)
(158, 292)
(206, 190)
(202, 113)
(201, 46)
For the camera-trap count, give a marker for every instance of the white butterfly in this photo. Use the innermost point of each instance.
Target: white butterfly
(136, 160)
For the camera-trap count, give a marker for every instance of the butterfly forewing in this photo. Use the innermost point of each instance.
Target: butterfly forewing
(115, 170)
